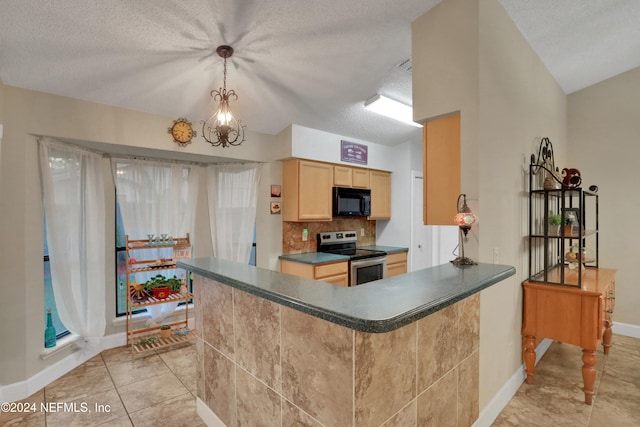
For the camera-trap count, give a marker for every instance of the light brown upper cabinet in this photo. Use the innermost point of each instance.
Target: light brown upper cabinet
(441, 169)
(345, 176)
(361, 178)
(306, 190)
(342, 176)
(380, 183)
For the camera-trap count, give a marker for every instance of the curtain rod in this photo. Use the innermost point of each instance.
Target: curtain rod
(182, 162)
(151, 159)
(144, 158)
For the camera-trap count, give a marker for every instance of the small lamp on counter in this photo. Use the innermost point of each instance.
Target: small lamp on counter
(464, 219)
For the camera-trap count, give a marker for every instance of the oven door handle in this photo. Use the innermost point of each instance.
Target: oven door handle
(370, 261)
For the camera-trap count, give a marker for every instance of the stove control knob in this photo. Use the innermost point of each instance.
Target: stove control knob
(326, 236)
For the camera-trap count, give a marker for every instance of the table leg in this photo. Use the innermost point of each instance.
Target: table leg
(529, 357)
(606, 336)
(588, 374)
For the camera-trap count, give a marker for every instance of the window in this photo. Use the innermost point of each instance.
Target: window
(252, 258)
(121, 266)
(49, 299)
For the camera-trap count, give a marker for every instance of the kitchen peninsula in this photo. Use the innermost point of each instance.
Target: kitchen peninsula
(276, 349)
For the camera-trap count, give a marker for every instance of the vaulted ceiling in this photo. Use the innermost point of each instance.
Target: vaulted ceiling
(308, 63)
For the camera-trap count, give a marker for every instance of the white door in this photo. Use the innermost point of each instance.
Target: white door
(421, 250)
(431, 245)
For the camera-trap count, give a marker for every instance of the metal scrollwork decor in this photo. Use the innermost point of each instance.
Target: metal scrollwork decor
(553, 178)
(545, 162)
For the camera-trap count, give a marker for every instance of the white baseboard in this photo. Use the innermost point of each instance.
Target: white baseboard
(502, 398)
(626, 329)
(208, 416)
(82, 351)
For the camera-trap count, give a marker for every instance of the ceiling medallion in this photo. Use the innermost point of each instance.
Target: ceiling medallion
(222, 128)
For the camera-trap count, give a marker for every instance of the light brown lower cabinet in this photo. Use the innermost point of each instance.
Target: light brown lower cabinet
(572, 315)
(335, 272)
(396, 264)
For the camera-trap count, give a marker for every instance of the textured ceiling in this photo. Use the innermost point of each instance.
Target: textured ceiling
(303, 62)
(581, 42)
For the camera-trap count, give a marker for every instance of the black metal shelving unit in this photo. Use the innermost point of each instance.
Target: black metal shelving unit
(548, 248)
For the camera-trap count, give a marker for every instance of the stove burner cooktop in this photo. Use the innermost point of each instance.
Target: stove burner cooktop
(344, 243)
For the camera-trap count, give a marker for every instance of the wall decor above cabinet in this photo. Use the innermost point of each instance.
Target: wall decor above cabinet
(353, 152)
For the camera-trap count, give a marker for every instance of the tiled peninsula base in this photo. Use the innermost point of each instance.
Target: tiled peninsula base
(261, 363)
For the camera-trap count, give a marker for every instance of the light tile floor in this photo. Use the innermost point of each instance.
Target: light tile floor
(556, 397)
(160, 389)
(156, 390)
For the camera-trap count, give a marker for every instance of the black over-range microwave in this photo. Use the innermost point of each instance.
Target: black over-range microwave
(351, 202)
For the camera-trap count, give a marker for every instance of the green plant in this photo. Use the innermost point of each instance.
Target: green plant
(147, 340)
(165, 327)
(555, 219)
(160, 281)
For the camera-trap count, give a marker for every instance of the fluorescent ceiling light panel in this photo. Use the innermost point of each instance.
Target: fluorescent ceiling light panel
(390, 108)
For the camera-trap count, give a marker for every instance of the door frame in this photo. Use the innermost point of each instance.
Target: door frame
(415, 174)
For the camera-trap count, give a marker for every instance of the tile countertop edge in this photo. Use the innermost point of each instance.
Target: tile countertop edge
(305, 303)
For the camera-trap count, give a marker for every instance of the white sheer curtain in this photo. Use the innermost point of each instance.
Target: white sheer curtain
(156, 198)
(73, 192)
(232, 193)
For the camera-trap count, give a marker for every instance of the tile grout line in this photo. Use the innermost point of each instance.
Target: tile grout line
(597, 388)
(195, 395)
(117, 390)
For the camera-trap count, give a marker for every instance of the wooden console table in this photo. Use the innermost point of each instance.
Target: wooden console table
(574, 315)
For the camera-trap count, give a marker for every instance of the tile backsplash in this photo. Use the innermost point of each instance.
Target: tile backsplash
(292, 233)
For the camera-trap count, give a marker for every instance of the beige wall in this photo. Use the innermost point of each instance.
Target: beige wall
(445, 75)
(27, 114)
(604, 133)
(519, 103)
(479, 63)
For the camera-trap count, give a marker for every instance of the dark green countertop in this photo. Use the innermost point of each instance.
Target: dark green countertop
(380, 306)
(314, 257)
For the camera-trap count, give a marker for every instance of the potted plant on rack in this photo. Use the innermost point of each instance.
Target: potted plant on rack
(165, 331)
(568, 224)
(554, 222)
(161, 287)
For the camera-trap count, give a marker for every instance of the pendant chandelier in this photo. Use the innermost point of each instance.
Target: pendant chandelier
(222, 128)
